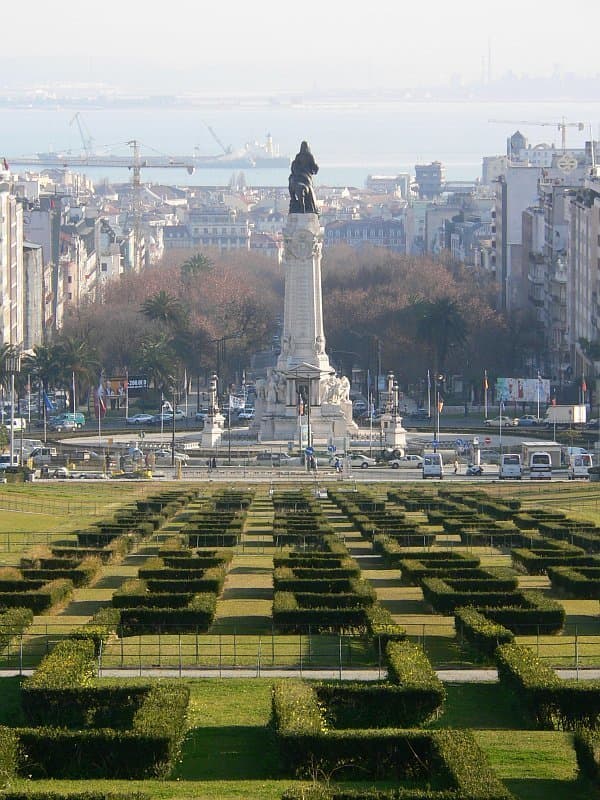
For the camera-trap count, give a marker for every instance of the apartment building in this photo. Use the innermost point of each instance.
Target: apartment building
(11, 265)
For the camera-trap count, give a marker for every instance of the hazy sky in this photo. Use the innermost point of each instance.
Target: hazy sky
(240, 45)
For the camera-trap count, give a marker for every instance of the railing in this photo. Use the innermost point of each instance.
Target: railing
(243, 650)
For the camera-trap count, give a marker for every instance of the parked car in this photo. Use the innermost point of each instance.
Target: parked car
(527, 420)
(420, 413)
(246, 413)
(361, 460)
(63, 425)
(139, 419)
(5, 461)
(164, 453)
(502, 420)
(406, 461)
(166, 417)
(61, 472)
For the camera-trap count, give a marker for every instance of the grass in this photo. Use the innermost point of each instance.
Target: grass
(535, 765)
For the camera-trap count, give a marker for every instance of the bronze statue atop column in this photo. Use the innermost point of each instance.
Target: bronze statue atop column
(302, 193)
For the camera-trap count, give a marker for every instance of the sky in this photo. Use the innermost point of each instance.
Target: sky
(274, 45)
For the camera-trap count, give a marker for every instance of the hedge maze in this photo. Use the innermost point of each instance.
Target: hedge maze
(77, 725)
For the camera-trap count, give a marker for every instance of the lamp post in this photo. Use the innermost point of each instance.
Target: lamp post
(438, 408)
(12, 365)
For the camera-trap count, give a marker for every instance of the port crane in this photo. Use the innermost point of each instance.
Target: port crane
(211, 130)
(86, 137)
(561, 125)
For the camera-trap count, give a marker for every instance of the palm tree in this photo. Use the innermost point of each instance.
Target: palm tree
(166, 308)
(44, 365)
(79, 362)
(195, 265)
(158, 361)
(6, 350)
(442, 326)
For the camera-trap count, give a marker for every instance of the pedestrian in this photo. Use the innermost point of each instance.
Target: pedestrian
(107, 462)
(208, 464)
(455, 465)
(213, 463)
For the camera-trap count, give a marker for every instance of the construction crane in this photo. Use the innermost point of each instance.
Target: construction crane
(561, 125)
(226, 150)
(86, 137)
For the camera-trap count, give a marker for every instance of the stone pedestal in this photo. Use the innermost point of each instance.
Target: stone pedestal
(212, 433)
(303, 388)
(394, 434)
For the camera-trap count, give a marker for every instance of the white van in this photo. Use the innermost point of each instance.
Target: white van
(579, 465)
(17, 424)
(510, 467)
(540, 466)
(433, 466)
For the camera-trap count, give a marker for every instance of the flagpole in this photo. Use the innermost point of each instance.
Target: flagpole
(74, 395)
(428, 395)
(538, 393)
(485, 394)
(229, 431)
(126, 392)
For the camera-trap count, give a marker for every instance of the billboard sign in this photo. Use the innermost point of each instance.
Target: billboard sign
(523, 390)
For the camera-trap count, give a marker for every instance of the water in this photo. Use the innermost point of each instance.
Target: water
(350, 141)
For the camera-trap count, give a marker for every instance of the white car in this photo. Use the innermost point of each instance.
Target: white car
(361, 460)
(246, 413)
(139, 419)
(406, 461)
(167, 454)
(497, 421)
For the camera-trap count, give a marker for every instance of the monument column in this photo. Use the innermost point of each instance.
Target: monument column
(303, 339)
(302, 392)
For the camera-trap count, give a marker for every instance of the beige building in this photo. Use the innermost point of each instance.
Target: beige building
(11, 265)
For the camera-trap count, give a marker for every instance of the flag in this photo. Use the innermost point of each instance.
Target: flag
(300, 406)
(485, 381)
(99, 402)
(5, 164)
(48, 404)
(583, 385)
(440, 405)
(236, 402)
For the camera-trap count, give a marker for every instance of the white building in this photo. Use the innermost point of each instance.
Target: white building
(11, 265)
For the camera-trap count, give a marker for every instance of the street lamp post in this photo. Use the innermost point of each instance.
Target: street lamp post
(438, 404)
(13, 366)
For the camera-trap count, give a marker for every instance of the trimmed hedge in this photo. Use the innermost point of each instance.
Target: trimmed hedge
(553, 703)
(451, 757)
(587, 750)
(409, 668)
(581, 582)
(38, 600)
(13, 622)
(481, 632)
(520, 611)
(196, 617)
(141, 726)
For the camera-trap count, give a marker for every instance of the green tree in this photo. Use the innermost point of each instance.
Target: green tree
(157, 360)
(45, 365)
(165, 308)
(195, 265)
(442, 326)
(79, 361)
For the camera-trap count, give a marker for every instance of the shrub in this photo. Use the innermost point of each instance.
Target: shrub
(587, 749)
(552, 702)
(13, 621)
(409, 667)
(484, 634)
(9, 756)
